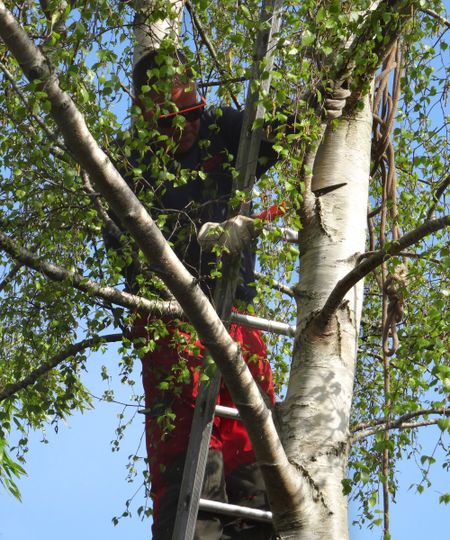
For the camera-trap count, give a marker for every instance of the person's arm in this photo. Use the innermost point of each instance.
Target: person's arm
(230, 125)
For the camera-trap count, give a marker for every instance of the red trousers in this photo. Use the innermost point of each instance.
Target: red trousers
(171, 374)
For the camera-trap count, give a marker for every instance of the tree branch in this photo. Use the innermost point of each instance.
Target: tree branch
(372, 262)
(225, 352)
(110, 294)
(58, 149)
(276, 284)
(47, 366)
(400, 12)
(436, 196)
(212, 51)
(364, 430)
(10, 276)
(436, 16)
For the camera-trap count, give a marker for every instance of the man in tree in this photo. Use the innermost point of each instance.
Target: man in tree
(186, 177)
(202, 145)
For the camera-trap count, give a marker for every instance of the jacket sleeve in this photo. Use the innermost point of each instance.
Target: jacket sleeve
(230, 124)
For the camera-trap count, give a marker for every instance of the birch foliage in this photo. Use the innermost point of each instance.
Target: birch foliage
(51, 207)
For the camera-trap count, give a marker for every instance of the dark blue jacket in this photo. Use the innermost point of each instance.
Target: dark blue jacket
(203, 198)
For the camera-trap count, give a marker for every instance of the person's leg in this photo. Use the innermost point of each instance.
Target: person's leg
(209, 525)
(244, 482)
(245, 487)
(171, 377)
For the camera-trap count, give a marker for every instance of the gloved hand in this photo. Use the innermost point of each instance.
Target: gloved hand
(232, 235)
(336, 101)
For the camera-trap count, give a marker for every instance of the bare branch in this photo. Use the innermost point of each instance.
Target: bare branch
(110, 294)
(366, 429)
(47, 366)
(372, 262)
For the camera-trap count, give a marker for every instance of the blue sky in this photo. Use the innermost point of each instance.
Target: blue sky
(76, 484)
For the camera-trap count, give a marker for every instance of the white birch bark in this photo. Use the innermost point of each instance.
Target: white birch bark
(315, 430)
(305, 493)
(155, 21)
(107, 180)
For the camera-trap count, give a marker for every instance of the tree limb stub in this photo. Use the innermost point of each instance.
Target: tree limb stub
(53, 362)
(134, 217)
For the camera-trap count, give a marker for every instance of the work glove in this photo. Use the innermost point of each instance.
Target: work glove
(232, 235)
(335, 103)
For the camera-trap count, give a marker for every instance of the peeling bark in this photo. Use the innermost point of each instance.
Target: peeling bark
(315, 429)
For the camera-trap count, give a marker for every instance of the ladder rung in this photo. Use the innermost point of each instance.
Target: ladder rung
(221, 410)
(236, 511)
(263, 324)
(227, 412)
(287, 235)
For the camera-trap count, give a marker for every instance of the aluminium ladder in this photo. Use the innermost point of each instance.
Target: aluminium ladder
(249, 144)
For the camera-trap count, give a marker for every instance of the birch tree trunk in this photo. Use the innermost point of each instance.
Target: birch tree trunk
(315, 426)
(156, 20)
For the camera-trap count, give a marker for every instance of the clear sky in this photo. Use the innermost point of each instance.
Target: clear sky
(76, 484)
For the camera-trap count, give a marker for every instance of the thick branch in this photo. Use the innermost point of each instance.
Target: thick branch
(372, 262)
(115, 296)
(47, 366)
(257, 417)
(364, 430)
(110, 294)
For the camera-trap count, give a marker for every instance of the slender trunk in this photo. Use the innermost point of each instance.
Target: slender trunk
(150, 30)
(315, 414)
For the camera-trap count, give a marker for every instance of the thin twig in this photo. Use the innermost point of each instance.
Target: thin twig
(10, 276)
(59, 149)
(276, 284)
(436, 196)
(212, 51)
(47, 366)
(364, 430)
(436, 16)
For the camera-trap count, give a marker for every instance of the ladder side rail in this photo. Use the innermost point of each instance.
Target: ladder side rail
(197, 453)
